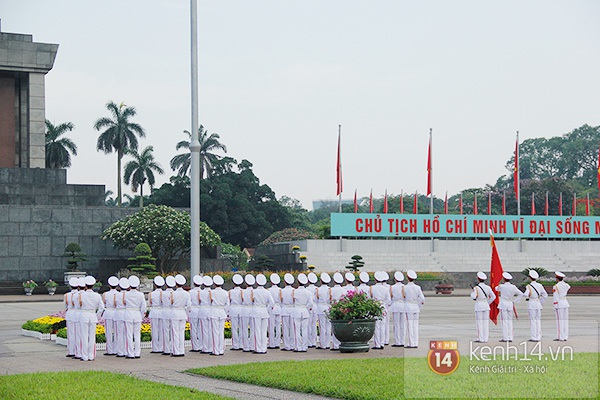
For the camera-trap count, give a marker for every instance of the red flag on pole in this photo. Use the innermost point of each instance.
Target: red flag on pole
(446, 204)
(475, 204)
(516, 169)
(416, 204)
(338, 179)
(587, 205)
(385, 204)
(547, 206)
(401, 202)
(371, 202)
(495, 277)
(429, 166)
(460, 204)
(355, 202)
(574, 208)
(560, 206)
(503, 203)
(533, 203)
(489, 203)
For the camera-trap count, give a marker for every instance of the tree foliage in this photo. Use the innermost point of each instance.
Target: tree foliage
(59, 149)
(141, 169)
(288, 235)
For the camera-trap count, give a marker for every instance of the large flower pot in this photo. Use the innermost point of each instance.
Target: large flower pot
(354, 335)
(28, 291)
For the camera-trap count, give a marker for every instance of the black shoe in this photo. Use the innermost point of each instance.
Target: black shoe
(377, 348)
(166, 354)
(397, 345)
(79, 358)
(311, 347)
(556, 340)
(503, 341)
(177, 355)
(232, 349)
(129, 358)
(195, 351)
(156, 352)
(136, 357)
(120, 356)
(260, 352)
(532, 340)
(286, 349)
(205, 352)
(70, 355)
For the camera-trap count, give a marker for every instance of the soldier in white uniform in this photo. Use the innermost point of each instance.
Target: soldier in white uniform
(120, 338)
(69, 299)
(382, 294)
(322, 305)
(263, 302)
(247, 317)
(77, 316)
(509, 295)
(166, 315)
(218, 315)
(336, 293)
(92, 308)
(386, 314)
(303, 304)
(156, 322)
(561, 306)
(110, 307)
(194, 317)
(483, 295)
(397, 310)
(413, 301)
(204, 314)
(275, 313)
(535, 294)
(364, 283)
(235, 312)
(350, 278)
(180, 304)
(312, 319)
(286, 298)
(135, 309)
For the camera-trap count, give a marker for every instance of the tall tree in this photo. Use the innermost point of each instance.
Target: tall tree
(58, 148)
(140, 169)
(208, 159)
(119, 135)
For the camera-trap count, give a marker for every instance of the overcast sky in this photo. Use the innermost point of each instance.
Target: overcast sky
(276, 78)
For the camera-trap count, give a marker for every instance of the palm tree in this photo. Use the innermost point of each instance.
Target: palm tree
(208, 144)
(140, 169)
(57, 148)
(119, 135)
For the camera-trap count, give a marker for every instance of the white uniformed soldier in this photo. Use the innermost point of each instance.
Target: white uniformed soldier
(247, 317)
(483, 295)
(322, 305)
(166, 315)
(135, 309)
(235, 312)
(509, 295)
(386, 314)
(263, 302)
(110, 307)
(92, 308)
(303, 304)
(275, 313)
(535, 294)
(194, 317)
(312, 319)
(77, 316)
(70, 315)
(350, 278)
(397, 310)
(287, 309)
(364, 283)
(180, 304)
(218, 315)
(413, 301)
(120, 338)
(382, 294)
(156, 322)
(561, 306)
(204, 314)
(336, 293)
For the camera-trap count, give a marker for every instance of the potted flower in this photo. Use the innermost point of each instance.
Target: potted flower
(445, 285)
(353, 320)
(295, 249)
(311, 267)
(29, 286)
(303, 258)
(51, 286)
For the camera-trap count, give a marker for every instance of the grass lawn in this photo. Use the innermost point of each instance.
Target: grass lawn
(398, 378)
(91, 385)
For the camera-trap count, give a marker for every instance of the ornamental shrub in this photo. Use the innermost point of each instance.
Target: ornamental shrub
(143, 262)
(288, 235)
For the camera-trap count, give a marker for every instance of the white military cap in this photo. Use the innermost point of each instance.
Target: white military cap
(73, 282)
(288, 278)
(507, 276)
(159, 281)
(312, 277)
(124, 283)
(379, 276)
(411, 274)
(90, 280)
(385, 275)
(350, 277)
(302, 279)
(325, 278)
(482, 276)
(218, 280)
(170, 281)
(81, 281)
(207, 280)
(180, 280)
(533, 274)
(261, 280)
(134, 281)
(398, 276)
(275, 279)
(338, 277)
(250, 280)
(112, 281)
(237, 279)
(559, 274)
(364, 277)
(197, 279)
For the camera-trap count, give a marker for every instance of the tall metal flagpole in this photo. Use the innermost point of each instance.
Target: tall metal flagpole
(431, 181)
(518, 172)
(194, 148)
(339, 166)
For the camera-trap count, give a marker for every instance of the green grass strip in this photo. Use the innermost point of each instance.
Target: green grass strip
(91, 385)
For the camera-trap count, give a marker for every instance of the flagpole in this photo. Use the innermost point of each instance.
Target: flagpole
(340, 184)
(430, 173)
(518, 187)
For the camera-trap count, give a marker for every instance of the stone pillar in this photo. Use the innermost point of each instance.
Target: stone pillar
(37, 121)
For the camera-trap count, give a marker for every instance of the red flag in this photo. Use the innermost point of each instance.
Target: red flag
(338, 179)
(533, 203)
(598, 175)
(401, 203)
(460, 204)
(560, 206)
(547, 206)
(495, 277)
(587, 205)
(489, 203)
(355, 202)
(516, 169)
(385, 205)
(475, 204)
(416, 204)
(371, 202)
(446, 204)
(574, 208)
(429, 166)
(503, 203)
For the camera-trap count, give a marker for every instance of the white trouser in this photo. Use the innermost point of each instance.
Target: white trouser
(288, 333)
(71, 338)
(482, 325)
(562, 323)
(312, 329)
(379, 336)
(88, 340)
(324, 331)
(261, 325)
(386, 327)
(156, 327)
(301, 333)
(77, 336)
(399, 319)
(535, 322)
(178, 336)
(109, 326)
(506, 319)
(207, 333)
(412, 329)
(248, 332)
(196, 334)
(236, 332)
(120, 337)
(274, 330)
(132, 338)
(218, 335)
